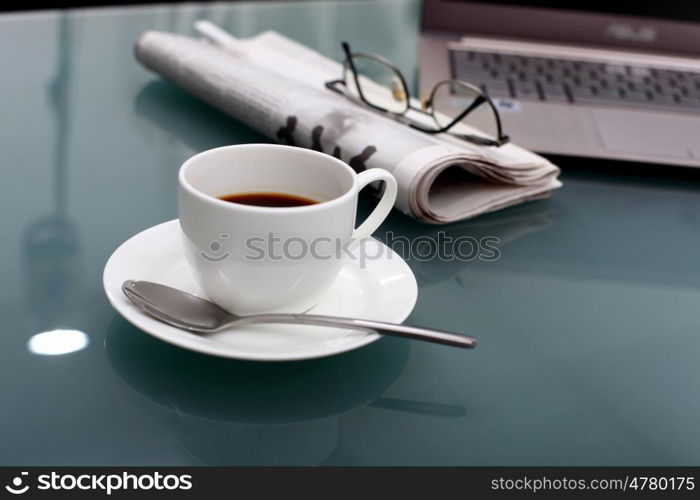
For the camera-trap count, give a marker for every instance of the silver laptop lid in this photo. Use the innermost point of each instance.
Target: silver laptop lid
(664, 27)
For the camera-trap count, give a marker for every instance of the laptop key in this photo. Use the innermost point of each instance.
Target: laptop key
(689, 103)
(554, 92)
(635, 97)
(494, 88)
(474, 75)
(615, 69)
(664, 99)
(525, 90)
(602, 96)
(581, 92)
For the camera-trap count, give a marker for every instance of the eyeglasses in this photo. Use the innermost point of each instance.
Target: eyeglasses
(380, 85)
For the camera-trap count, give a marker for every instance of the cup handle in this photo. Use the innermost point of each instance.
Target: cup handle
(381, 211)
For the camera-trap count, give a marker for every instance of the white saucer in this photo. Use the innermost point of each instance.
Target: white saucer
(385, 289)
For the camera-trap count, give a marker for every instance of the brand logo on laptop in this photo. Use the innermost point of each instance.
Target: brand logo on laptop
(507, 106)
(631, 33)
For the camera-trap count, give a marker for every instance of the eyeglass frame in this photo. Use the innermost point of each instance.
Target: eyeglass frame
(427, 106)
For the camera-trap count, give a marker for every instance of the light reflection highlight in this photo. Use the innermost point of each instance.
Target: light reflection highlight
(57, 342)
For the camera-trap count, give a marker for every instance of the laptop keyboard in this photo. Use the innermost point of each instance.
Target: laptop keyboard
(577, 82)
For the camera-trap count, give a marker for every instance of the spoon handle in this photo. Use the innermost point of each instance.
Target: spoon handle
(411, 332)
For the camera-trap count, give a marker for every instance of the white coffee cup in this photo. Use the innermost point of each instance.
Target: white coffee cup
(251, 259)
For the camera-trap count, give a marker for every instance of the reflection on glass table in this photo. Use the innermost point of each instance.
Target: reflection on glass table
(246, 413)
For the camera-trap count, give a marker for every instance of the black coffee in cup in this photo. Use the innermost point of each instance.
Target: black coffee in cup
(268, 199)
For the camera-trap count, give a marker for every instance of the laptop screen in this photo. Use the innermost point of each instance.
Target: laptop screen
(665, 27)
(684, 10)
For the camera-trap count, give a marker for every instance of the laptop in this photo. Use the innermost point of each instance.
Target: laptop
(618, 82)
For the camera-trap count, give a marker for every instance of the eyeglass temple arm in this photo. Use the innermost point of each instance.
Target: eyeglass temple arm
(331, 85)
(346, 49)
(351, 65)
(477, 102)
(480, 99)
(502, 139)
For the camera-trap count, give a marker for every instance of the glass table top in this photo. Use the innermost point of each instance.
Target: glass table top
(588, 323)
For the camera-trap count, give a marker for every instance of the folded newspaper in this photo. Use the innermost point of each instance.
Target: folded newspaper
(277, 86)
